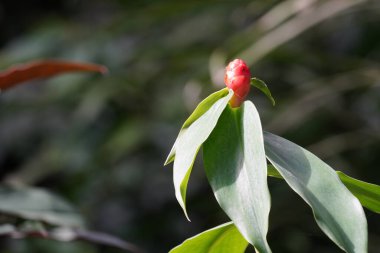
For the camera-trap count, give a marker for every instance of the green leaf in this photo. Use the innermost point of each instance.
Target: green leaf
(235, 164)
(39, 205)
(272, 172)
(201, 109)
(337, 212)
(368, 194)
(188, 144)
(222, 239)
(261, 85)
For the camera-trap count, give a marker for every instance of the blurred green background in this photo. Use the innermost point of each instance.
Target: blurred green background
(100, 142)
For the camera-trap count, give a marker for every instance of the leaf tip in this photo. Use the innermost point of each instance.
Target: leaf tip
(181, 202)
(185, 211)
(187, 217)
(103, 70)
(170, 158)
(263, 87)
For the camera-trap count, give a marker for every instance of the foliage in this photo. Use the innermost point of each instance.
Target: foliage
(38, 205)
(221, 239)
(337, 212)
(368, 194)
(261, 85)
(95, 141)
(235, 164)
(43, 69)
(26, 212)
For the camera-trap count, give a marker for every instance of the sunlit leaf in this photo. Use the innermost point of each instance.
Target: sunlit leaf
(42, 69)
(338, 213)
(202, 107)
(368, 194)
(221, 239)
(236, 168)
(37, 204)
(188, 144)
(261, 85)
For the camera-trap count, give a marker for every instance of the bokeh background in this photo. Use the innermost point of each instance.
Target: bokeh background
(100, 141)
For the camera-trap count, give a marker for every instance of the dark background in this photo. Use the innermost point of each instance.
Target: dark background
(100, 142)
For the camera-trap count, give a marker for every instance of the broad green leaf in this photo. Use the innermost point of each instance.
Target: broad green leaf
(261, 85)
(221, 239)
(368, 194)
(39, 205)
(236, 168)
(188, 144)
(202, 107)
(337, 212)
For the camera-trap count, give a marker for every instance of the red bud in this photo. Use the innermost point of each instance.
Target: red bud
(238, 78)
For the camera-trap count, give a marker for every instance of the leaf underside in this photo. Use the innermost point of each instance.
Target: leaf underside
(337, 212)
(235, 164)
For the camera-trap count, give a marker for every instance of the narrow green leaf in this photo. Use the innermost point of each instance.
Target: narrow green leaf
(202, 107)
(368, 194)
(261, 85)
(188, 144)
(235, 164)
(337, 212)
(221, 239)
(39, 205)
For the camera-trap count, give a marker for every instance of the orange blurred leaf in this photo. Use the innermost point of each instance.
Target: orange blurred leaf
(42, 69)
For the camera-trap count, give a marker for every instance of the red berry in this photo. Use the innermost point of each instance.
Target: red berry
(238, 78)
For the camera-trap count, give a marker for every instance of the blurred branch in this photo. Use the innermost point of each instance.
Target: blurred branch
(106, 239)
(306, 19)
(280, 13)
(274, 17)
(317, 96)
(305, 15)
(65, 234)
(342, 142)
